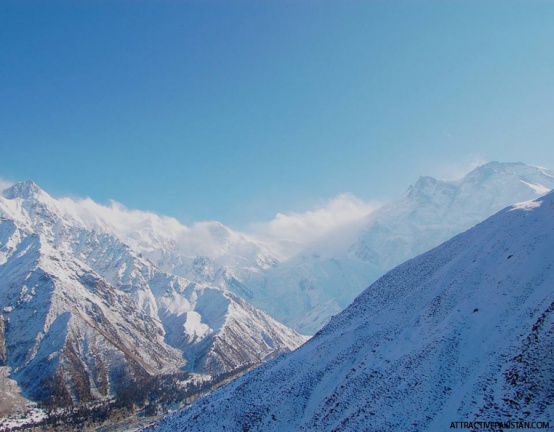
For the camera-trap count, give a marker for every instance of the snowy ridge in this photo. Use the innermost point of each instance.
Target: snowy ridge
(84, 313)
(463, 332)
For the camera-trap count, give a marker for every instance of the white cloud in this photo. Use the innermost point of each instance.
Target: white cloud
(287, 234)
(147, 231)
(295, 231)
(4, 184)
(456, 170)
(135, 226)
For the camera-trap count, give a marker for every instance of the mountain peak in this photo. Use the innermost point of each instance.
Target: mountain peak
(218, 231)
(425, 181)
(25, 190)
(503, 168)
(424, 187)
(483, 173)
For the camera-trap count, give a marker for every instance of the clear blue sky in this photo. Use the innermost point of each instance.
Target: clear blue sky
(234, 110)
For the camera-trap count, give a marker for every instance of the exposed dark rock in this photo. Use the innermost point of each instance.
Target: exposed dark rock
(3, 356)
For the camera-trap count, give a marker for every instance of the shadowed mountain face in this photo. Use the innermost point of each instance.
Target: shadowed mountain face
(464, 332)
(84, 315)
(3, 356)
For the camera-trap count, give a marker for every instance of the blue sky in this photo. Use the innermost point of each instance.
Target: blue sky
(238, 110)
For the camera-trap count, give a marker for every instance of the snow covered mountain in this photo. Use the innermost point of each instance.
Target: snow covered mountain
(323, 281)
(84, 314)
(432, 211)
(305, 290)
(68, 331)
(464, 332)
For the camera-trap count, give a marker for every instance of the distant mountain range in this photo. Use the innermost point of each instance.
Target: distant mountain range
(429, 213)
(306, 290)
(93, 299)
(462, 333)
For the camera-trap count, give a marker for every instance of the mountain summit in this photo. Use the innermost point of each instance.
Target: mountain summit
(23, 190)
(431, 211)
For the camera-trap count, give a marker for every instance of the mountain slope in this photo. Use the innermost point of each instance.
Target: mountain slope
(69, 335)
(463, 332)
(85, 314)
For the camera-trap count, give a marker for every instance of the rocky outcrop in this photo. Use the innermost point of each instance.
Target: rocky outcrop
(3, 356)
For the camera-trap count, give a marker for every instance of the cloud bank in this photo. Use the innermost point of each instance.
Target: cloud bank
(149, 232)
(334, 219)
(121, 221)
(283, 236)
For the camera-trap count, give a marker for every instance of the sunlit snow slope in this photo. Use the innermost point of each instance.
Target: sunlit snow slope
(463, 332)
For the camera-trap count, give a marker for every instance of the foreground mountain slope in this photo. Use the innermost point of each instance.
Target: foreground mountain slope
(85, 315)
(463, 332)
